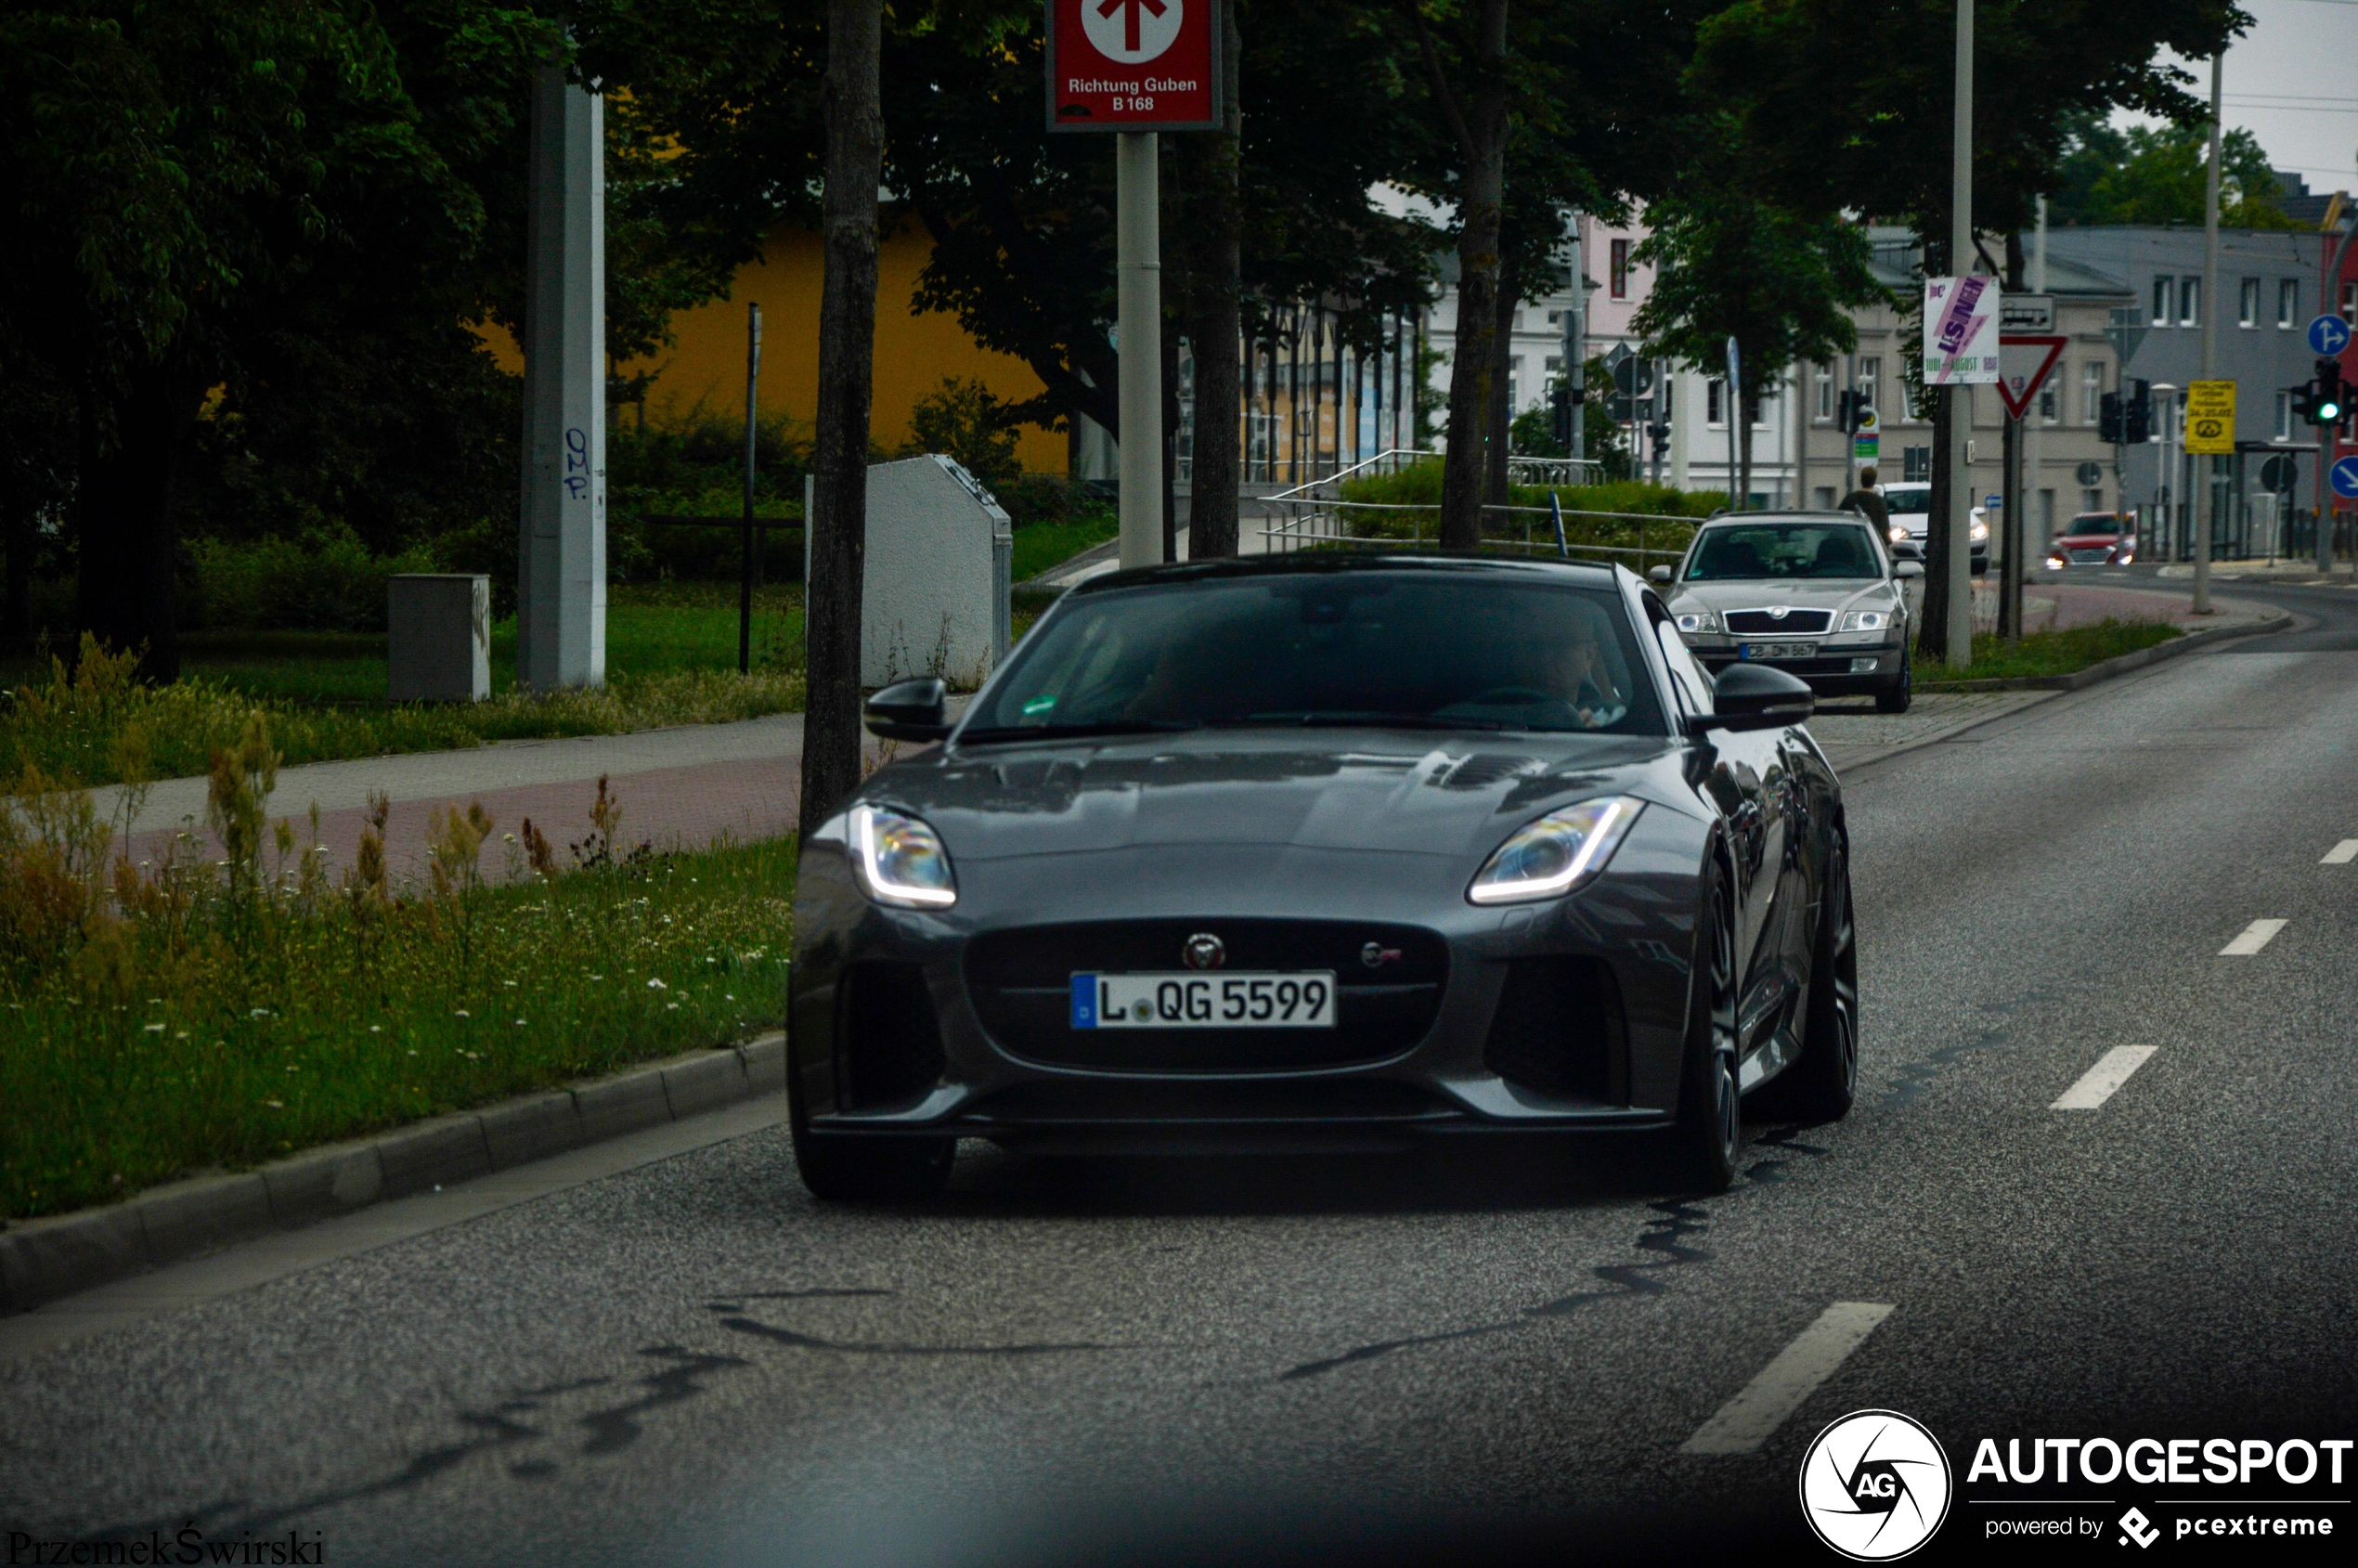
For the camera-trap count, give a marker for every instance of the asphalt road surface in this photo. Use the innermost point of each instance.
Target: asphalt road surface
(1468, 1354)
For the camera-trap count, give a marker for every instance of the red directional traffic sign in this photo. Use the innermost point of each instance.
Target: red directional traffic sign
(2025, 361)
(1133, 65)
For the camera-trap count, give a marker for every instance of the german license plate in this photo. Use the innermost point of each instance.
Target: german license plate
(1244, 1000)
(1776, 649)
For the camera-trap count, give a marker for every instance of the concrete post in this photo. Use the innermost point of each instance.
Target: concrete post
(2206, 508)
(1958, 586)
(1138, 299)
(561, 579)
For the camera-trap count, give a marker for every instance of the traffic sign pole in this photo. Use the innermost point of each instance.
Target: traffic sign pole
(1138, 298)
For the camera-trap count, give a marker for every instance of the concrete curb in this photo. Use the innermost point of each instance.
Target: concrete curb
(2201, 638)
(41, 1260)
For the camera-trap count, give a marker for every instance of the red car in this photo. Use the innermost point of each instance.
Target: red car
(2094, 538)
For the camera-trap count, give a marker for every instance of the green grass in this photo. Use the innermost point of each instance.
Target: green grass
(237, 1030)
(2042, 653)
(1042, 545)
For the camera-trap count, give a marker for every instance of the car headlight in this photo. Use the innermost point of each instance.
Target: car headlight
(1699, 621)
(1866, 620)
(1899, 534)
(1978, 533)
(1551, 856)
(902, 860)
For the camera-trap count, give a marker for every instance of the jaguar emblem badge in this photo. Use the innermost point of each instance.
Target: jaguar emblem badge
(1779, 612)
(1203, 951)
(1375, 955)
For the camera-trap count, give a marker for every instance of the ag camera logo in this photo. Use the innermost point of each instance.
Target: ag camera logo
(1876, 1485)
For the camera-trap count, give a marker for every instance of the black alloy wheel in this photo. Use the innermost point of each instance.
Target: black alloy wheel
(1821, 1085)
(863, 1170)
(1704, 1143)
(1896, 697)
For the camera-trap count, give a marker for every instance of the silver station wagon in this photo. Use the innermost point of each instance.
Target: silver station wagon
(1814, 594)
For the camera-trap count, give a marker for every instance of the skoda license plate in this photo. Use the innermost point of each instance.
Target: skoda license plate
(1187, 1001)
(1776, 651)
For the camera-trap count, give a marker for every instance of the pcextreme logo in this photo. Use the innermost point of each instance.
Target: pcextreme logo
(1875, 1485)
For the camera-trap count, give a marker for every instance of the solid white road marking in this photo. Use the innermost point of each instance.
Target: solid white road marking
(2255, 936)
(1747, 1420)
(2342, 853)
(2095, 1086)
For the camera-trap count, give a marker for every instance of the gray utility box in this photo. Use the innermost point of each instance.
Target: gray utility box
(438, 637)
(939, 571)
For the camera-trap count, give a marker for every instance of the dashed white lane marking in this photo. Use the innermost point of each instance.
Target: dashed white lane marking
(2342, 853)
(2096, 1085)
(1748, 1421)
(2257, 935)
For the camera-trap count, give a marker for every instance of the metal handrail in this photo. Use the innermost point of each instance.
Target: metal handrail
(1340, 475)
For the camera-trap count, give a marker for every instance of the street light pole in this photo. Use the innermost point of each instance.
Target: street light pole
(1139, 291)
(1958, 586)
(2205, 495)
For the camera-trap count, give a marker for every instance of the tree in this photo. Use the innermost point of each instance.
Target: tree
(2158, 174)
(1846, 105)
(1782, 284)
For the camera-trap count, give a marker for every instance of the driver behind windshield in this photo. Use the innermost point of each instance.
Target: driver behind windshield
(1809, 550)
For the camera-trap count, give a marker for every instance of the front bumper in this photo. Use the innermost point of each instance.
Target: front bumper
(1564, 1016)
(1835, 670)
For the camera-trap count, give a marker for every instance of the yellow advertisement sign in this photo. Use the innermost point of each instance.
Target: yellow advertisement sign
(2211, 417)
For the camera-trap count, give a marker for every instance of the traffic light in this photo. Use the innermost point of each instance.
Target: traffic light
(2137, 415)
(1559, 409)
(1847, 408)
(2108, 424)
(2326, 397)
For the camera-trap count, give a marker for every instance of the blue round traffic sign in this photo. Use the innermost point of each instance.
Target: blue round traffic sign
(2329, 334)
(2345, 477)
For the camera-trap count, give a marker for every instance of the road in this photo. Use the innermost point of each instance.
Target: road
(1292, 1360)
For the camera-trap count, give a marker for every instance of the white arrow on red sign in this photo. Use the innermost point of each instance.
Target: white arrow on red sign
(2025, 361)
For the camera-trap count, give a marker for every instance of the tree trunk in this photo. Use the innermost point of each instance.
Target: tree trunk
(1479, 124)
(126, 546)
(854, 121)
(1498, 447)
(1214, 326)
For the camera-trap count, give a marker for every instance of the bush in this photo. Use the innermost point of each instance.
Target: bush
(1049, 497)
(967, 420)
(325, 581)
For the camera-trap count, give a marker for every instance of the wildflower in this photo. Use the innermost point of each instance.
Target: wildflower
(657, 985)
(182, 1035)
(510, 984)
(260, 1013)
(671, 1006)
(276, 1104)
(413, 1053)
(597, 977)
(376, 1028)
(464, 1014)
(520, 1023)
(728, 996)
(154, 1028)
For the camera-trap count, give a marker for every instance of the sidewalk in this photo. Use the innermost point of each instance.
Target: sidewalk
(2302, 572)
(2055, 606)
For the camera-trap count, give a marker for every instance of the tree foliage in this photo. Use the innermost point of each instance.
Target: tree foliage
(2158, 175)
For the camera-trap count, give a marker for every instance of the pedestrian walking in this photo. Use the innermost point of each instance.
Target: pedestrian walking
(1868, 502)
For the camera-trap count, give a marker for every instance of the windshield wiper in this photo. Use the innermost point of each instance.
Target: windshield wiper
(1370, 719)
(1076, 732)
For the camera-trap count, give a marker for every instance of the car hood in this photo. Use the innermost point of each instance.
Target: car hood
(1835, 594)
(2087, 541)
(1384, 791)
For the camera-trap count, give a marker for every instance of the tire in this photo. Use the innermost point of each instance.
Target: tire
(863, 1170)
(1821, 1085)
(1901, 693)
(1704, 1144)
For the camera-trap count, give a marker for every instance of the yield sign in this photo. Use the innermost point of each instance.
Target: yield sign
(2024, 363)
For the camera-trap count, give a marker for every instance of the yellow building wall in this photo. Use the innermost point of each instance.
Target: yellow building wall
(706, 361)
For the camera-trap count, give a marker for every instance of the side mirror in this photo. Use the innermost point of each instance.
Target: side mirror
(1907, 550)
(1753, 696)
(1906, 569)
(910, 710)
(1660, 575)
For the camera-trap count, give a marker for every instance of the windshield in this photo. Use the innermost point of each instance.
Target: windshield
(1784, 550)
(1438, 650)
(2096, 523)
(1908, 498)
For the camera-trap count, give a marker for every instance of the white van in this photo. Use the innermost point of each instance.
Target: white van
(1910, 507)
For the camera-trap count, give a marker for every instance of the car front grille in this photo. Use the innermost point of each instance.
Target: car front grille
(1797, 623)
(2089, 555)
(1020, 982)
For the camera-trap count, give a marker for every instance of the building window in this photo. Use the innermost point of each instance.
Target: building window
(2190, 301)
(1915, 465)
(1620, 269)
(2165, 292)
(2248, 308)
(1825, 393)
(1711, 411)
(2092, 392)
(2350, 302)
(2283, 415)
(2050, 404)
(2288, 301)
(1555, 318)
(2091, 499)
(1871, 383)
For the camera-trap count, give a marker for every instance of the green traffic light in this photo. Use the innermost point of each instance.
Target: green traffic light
(2328, 413)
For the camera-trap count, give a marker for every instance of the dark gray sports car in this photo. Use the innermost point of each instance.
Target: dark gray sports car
(1327, 850)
